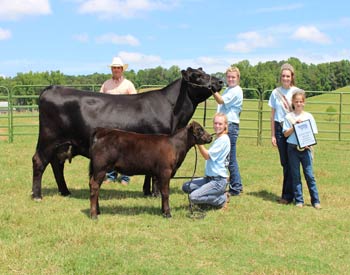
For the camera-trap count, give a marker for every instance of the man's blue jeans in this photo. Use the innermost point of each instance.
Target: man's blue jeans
(206, 191)
(235, 183)
(287, 187)
(305, 159)
(112, 176)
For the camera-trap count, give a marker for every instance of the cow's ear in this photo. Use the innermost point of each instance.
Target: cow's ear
(185, 75)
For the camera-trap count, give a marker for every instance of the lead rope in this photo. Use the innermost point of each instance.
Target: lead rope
(198, 213)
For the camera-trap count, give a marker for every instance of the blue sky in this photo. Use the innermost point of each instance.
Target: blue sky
(81, 36)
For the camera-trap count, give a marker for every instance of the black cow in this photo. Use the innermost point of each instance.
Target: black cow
(130, 153)
(68, 117)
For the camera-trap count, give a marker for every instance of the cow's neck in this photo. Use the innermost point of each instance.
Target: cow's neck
(184, 107)
(173, 91)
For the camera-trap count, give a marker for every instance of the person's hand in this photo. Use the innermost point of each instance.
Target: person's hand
(273, 141)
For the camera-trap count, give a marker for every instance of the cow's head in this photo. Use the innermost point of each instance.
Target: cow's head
(200, 135)
(201, 85)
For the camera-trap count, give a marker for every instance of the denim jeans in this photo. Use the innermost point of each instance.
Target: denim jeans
(206, 191)
(305, 159)
(235, 184)
(112, 176)
(287, 187)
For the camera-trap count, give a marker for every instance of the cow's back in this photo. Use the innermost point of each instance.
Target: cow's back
(71, 115)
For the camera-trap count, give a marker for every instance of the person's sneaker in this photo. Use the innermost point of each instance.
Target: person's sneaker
(299, 205)
(317, 206)
(123, 182)
(108, 181)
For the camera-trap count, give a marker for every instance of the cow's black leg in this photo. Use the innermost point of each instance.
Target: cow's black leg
(57, 168)
(147, 186)
(39, 167)
(155, 188)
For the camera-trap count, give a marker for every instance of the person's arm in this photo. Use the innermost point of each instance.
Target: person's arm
(218, 98)
(102, 88)
(132, 89)
(288, 132)
(272, 118)
(204, 152)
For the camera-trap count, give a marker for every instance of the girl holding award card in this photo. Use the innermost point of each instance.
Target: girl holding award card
(299, 127)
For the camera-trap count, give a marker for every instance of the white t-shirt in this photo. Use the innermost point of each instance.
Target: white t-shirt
(290, 120)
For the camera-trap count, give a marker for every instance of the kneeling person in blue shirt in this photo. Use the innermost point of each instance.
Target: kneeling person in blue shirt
(210, 190)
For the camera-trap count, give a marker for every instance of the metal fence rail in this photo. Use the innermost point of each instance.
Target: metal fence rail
(5, 114)
(330, 109)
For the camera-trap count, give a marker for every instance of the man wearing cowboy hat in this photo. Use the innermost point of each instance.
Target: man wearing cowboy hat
(118, 84)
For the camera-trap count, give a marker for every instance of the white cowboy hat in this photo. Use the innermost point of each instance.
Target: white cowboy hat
(117, 62)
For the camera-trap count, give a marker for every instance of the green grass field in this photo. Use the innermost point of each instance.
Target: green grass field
(255, 235)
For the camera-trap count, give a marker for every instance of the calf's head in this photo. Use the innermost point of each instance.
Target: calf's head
(200, 135)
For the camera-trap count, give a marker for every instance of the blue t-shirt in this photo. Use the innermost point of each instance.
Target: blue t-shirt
(233, 101)
(218, 152)
(275, 102)
(290, 120)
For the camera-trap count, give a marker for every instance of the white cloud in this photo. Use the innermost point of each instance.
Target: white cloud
(107, 9)
(5, 34)
(312, 34)
(15, 9)
(280, 8)
(82, 37)
(249, 41)
(140, 60)
(118, 39)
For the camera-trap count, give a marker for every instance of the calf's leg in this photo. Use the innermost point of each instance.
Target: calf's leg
(39, 167)
(164, 190)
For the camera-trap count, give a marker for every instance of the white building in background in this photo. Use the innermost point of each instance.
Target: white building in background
(4, 106)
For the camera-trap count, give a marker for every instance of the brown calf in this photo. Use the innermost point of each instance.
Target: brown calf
(130, 153)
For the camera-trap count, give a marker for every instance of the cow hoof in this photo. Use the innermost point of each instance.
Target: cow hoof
(94, 218)
(155, 195)
(166, 215)
(38, 199)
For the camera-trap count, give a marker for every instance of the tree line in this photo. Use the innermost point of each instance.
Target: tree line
(262, 76)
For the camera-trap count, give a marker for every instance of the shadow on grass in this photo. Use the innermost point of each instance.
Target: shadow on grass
(265, 195)
(131, 210)
(105, 194)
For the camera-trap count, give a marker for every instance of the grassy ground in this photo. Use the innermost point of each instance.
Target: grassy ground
(255, 235)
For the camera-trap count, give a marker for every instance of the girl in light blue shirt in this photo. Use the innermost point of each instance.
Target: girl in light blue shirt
(299, 156)
(210, 189)
(230, 103)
